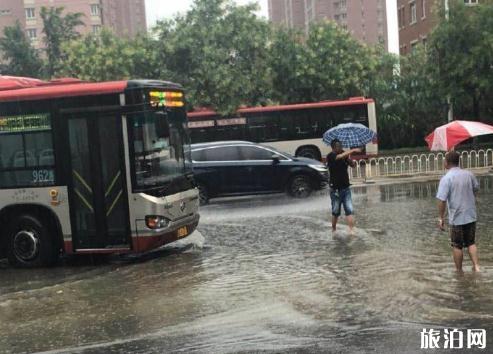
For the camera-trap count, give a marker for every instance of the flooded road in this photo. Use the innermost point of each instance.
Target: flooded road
(265, 274)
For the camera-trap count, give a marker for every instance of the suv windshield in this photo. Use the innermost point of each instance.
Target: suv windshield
(161, 147)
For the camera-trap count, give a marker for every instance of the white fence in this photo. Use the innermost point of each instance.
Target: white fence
(418, 164)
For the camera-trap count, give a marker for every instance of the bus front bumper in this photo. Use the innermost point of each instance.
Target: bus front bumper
(176, 230)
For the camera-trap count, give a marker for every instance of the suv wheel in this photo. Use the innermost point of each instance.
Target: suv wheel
(300, 186)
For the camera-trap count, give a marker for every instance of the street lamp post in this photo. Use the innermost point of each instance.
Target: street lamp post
(449, 97)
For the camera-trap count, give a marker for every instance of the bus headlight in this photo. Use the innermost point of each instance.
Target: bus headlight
(319, 168)
(156, 222)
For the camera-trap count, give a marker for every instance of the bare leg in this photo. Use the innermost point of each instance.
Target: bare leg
(458, 256)
(350, 222)
(473, 253)
(334, 223)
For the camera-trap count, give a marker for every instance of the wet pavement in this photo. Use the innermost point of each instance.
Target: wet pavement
(264, 274)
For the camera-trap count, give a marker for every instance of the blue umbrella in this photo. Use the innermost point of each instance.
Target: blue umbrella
(350, 135)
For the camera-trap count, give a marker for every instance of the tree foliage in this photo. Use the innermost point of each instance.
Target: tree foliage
(462, 51)
(410, 106)
(20, 58)
(219, 52)
(57, 29)
(106, 57)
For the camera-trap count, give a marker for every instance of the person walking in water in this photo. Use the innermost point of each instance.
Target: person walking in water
(457, 190)
(338, 162)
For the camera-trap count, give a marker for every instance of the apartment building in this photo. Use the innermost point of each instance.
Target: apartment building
(123, 17)
(365, 19)
(416, 20)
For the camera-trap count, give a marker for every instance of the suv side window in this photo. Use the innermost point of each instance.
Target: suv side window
(255, 153)
(198, 155)
(223, 153)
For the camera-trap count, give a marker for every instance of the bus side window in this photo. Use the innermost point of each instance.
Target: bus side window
(322, 120)
(230, 132)
(236, 132)
(301, 123)
(199, 135)
(27, 158)
(286, 125)
(264, 128)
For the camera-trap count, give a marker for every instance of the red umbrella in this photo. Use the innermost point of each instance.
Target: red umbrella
(447, 136)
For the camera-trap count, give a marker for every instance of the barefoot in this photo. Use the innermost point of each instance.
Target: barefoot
(475, 269)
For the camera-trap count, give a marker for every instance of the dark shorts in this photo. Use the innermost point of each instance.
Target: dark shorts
(463, 235)
(341, 197)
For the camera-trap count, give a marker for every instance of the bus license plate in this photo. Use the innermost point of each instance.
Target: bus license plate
(182, 232)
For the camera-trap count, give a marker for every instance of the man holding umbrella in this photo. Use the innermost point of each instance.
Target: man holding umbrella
(338, 162)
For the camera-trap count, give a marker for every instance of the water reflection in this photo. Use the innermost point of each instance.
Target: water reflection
(270, 277)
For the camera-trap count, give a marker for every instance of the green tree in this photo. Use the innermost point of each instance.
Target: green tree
(58, 28)
(462, 51)
(328, 64)
(410, 106)
(106, 57)
(288, 66)
(337, 65)
(21, 59)
(218, 51)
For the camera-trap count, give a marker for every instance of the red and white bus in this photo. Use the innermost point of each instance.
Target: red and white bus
(92, 168)
(294, 128)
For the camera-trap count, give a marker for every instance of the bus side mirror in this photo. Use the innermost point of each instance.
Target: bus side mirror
(276, 159)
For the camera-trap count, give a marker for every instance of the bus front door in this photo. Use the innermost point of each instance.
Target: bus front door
(98, 194)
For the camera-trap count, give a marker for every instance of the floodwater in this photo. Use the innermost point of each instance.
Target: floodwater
(264, 274)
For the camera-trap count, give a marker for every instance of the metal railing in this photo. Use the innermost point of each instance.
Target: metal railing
(418, 164)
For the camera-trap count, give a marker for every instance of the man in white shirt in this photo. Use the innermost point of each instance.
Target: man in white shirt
(457, 190)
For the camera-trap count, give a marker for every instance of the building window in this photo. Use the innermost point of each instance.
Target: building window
(30, 13)
(412, 7)
(96, 29)
(471, 2)
(402, 17)
(95, 10)
(424, 41)
(32, 33)
(423, 9)
(340, 5)
(5, 12)
(414, 46)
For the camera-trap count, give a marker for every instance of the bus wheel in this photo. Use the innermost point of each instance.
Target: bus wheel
(30, 243)
(203, 194)
(300, 186)
(309, 152)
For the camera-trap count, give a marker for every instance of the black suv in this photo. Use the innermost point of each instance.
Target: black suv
(239, 167)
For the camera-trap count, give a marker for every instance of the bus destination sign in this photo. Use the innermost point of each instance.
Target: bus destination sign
(24, 123)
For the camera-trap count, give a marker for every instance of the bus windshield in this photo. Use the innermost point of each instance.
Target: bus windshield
(161, 151)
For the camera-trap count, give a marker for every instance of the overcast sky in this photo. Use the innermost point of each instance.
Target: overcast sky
(158, 9)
